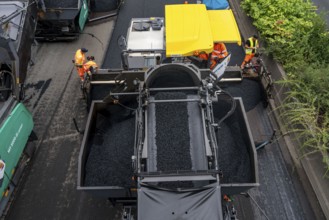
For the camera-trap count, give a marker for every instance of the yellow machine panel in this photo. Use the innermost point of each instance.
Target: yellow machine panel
(190, 27)
(187, 29)
(224, 27)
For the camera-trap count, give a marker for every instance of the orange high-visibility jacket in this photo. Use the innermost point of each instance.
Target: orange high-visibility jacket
(90, 63)
(79, 58)
(219, 51)
(202, 55)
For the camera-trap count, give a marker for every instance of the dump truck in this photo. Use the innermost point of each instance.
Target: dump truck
(66, 19)
(17, 26)
(159, 135)
(18, 23)
(61, 20)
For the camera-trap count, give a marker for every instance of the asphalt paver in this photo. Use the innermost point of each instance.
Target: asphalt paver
(49, 187)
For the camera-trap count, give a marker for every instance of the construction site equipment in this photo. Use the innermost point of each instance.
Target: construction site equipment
(150, 43)
(66, 20)
(62, 20)
(256, 69)
(160, 132)
(16, 125)
(16, 38)
(164, 146)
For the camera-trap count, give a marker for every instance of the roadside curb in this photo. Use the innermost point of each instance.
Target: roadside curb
(315, 186)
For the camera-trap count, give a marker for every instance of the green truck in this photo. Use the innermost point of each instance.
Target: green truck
(61, 20)
(17, 26)
(15, 130)
(66, 19)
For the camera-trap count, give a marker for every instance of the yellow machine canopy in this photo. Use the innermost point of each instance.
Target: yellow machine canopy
(190, 27)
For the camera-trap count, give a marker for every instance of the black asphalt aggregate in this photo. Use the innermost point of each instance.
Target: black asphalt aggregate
(249, 90)
(233, 155)
(233, 149)
(109, 160)
(172, 133)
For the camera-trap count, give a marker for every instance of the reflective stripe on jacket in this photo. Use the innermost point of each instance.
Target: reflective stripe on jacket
(252, 44)
(202, 55)
(90, 63)
(219, 51)
(79, 58)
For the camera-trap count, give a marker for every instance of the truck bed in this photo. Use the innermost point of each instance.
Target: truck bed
(109, 160)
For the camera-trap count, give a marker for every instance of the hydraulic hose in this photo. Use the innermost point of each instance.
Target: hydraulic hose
(231, 111)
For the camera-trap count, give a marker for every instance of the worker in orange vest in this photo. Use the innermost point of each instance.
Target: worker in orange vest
(203, 57)
(90, 67)
(79, 60)
(218, 54)
(251, 46)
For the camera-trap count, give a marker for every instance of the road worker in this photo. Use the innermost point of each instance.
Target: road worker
(251, 47)
(90, 67)
(79, 60)
(218, 54)
(202, 57)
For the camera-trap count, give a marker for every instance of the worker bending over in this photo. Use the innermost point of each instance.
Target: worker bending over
(90, 66)
(202, 57)
(251, 47)
(79, 60)
(218, 54)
